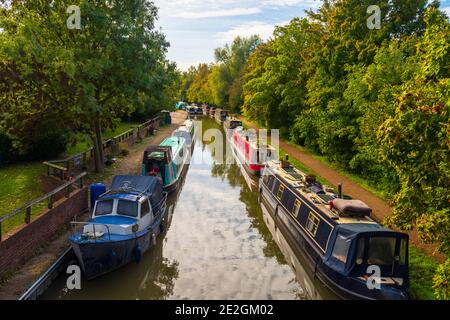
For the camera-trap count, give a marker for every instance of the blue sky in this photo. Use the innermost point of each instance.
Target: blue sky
(195, 28)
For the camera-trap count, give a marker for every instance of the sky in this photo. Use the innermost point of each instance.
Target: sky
(195, 28)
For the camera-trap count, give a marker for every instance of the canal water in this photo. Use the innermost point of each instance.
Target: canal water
(218, 244)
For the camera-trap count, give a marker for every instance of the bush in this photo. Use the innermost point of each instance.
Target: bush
(6, 149)
(47, 146)
(441, 281)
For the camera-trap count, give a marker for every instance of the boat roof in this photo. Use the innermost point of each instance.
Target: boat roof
(174, 142)
(252, 138)
(132, 187)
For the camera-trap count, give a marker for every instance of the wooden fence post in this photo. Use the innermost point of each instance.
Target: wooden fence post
(50, 202)
(28, 215)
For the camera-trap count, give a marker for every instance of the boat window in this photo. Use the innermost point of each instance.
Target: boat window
(145, 208)
(360, 251)
(312, 224)
(296, 209)
(381, 250)
(270, 182)
(340, 250)
(104, 207)
(127, 208)
(280, 191)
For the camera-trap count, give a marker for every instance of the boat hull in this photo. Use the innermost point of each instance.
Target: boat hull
(98, 258)
(254, 170)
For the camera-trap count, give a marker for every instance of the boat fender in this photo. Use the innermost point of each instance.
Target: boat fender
(153, 239)
(113, 257)
(137, 253)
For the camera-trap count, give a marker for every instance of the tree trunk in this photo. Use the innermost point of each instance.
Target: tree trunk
(99, 159)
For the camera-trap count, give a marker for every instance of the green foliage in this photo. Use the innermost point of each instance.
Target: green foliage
(442, 281)
(221, 83)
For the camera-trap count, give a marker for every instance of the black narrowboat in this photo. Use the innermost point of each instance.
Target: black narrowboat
(231, 123)
(351, 254)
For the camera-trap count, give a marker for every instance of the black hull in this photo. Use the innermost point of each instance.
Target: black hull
(97, 259)
(342, 287)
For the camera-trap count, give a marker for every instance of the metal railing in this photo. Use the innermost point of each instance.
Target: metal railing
(84, 223)
(68, 187)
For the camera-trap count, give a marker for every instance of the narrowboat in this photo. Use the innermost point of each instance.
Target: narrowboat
(249, 151)
(212, 111)
(220, 115)
(125, 223)
(199, 111)
(231, 123)
(350, 253)
(168, 160)
(191, 110)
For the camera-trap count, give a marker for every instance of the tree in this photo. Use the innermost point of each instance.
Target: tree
(415, 142)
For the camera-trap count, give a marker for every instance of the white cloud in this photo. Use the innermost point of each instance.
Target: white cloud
(264, 30)
(217, 13)
(447, 11)
(286, 3)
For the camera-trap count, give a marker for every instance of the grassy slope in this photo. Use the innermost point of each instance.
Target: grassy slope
(19, 183)
(84, 142)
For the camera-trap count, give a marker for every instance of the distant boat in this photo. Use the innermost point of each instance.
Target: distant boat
(335, 236)
(252, 154)
(220, 115)
(169, 159)
(125, 223)
(231, 123)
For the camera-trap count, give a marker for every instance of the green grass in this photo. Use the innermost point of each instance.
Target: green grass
(84, 142)
(19, 184)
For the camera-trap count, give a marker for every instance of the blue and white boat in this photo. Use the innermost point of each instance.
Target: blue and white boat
(125, 223)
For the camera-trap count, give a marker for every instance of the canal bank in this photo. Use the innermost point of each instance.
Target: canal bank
(16, 283)
(216, 245)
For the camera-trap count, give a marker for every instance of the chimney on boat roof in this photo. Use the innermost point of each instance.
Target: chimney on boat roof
(340, 190)
(285, 163)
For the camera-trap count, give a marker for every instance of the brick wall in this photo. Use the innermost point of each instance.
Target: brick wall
(22, 245)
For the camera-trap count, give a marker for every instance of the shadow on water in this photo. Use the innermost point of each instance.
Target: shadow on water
(217, 244)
